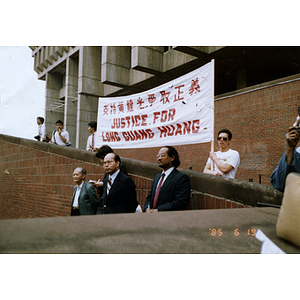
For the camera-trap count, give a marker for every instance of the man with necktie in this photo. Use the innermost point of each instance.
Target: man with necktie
(84, 201)
(170, 190)
(119, 195)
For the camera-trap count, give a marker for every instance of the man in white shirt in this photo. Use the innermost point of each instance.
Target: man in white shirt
(41, 131)
(226, 160)
(93, 141)
(60, 136)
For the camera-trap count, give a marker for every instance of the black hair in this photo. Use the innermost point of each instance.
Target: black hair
(117, 158)
(103, 150)
(93, 124)
(41, 119)
(173, 152)
(59, 121)
(226, 131)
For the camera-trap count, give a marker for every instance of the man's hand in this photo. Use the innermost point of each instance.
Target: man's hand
(213, 155)
(151, 210)
(99, 183)
(62, 138)
(292, 137)
(217, 173)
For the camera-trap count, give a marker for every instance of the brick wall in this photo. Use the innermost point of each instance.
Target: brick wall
(35, 183)
(258, 119)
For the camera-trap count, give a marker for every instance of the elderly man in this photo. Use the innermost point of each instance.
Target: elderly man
(84, 201)
(170, 190)
(101, 153)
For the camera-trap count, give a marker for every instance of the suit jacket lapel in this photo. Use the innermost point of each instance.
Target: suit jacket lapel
(115, 184)
(155, 183)
(74, 192)
(82, 189)
(113, 187)
(105, 189)
(166, 184)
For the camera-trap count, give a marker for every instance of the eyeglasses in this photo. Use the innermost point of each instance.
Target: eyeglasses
(222, 138)
(108, 162)
(161, 155)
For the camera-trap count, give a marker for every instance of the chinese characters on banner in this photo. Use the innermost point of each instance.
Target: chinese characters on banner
(176, 113)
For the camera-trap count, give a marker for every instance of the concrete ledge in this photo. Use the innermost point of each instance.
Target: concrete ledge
(46, 147)
(236, 190)
(164, 232)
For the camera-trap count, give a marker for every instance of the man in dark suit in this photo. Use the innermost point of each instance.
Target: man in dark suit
(84, 201)
(170, 190)
(119, 195)
(101, 153)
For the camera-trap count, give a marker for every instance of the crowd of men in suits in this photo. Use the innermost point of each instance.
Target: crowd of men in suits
(170, 189)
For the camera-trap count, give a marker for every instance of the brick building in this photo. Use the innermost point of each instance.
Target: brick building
(257, 93)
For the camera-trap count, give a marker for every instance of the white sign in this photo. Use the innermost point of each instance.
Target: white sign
(176, 113)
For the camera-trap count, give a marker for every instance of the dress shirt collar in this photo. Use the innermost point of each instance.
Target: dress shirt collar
(113, 176)
(80, 186)
(168, 172)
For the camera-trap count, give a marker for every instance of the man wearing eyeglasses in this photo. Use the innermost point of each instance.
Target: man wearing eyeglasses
(170, 189)
(226, 160)
(119, 195)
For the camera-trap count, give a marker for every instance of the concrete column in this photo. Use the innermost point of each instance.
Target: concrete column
(71, 97)
(116, 63)
(53, 86)
(87, 110)
(89, 89)
(147, 59)
(89, 71)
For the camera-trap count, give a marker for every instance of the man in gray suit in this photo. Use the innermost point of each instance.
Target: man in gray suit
(84, 201)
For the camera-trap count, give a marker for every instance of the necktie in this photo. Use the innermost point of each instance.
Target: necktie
(158, 190)
(93, 141)
(108, 185)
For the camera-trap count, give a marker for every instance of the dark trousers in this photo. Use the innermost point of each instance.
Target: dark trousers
(75, 212)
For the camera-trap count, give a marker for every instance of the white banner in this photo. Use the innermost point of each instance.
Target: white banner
(176, 113)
